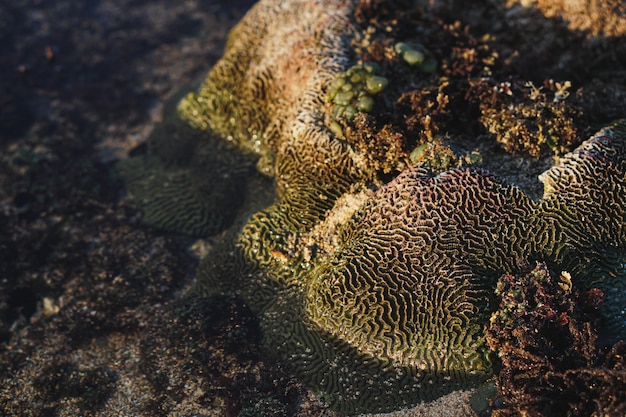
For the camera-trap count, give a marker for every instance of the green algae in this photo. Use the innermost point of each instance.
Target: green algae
(353, 90)
(416, 56)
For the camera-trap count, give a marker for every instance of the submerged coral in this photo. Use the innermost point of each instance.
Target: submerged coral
(189, 183)
(375, 287)
(412, 276)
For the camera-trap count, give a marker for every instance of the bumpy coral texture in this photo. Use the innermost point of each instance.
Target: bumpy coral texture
(384, 306)
(404, 283)
(188, 183)
(415, 269)
(583, 222)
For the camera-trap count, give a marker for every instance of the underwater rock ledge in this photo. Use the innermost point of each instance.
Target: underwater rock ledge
(373, 280)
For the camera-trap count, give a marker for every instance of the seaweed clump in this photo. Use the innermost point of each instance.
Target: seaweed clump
(544, 335)
(529, 119)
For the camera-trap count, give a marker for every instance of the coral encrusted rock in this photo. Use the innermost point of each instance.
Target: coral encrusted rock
(413, 275)
(375, 288)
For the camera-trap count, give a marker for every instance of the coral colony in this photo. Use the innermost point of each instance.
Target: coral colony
(373, 263)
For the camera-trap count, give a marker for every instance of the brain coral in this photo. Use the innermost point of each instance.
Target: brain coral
(375, 293)
(414, 271)
(176, 184)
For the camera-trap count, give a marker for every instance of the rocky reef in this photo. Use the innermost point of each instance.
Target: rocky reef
(395, 185)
